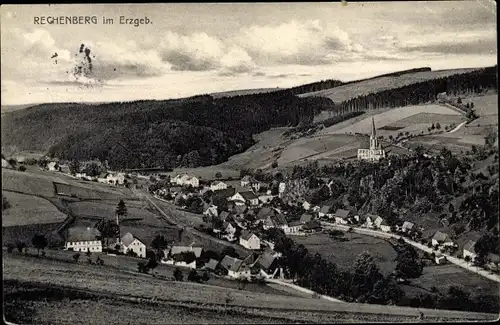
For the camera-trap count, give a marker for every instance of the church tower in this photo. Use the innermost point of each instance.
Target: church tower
(373, 137)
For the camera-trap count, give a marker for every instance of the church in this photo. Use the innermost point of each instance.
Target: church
(375, 153)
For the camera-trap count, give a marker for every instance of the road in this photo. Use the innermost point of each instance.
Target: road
(168, 217)
(457, 127)
(380, 234)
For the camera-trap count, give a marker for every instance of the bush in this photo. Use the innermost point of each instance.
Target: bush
(22, 168)
(178, 274)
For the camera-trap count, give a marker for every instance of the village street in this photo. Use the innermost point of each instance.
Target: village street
(381, 234)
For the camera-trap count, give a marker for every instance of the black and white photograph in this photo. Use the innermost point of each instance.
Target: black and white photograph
(250, 163)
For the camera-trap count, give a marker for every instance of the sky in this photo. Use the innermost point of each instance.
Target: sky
(190, 49)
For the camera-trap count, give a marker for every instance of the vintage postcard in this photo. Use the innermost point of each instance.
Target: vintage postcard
(250, 163)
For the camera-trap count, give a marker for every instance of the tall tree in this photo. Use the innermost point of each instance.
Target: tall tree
(40, 242)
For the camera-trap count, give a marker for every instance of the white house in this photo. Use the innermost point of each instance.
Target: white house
(218, 185)
(116, 179)
(306, 205)
(249, 240)
(247, 197)
(293, 228)
(370, 220)
(176, 256)
(281, 189)
(246, 180)
(211, 211)
(440, 238)
(81, 239)
(255, 185)
(440, 259)
(185, 179)
(378, 222)
(407, 226)
(103, 178)
(384, 226)
(53, 166)
(131, 243)
(229, 230)
(469, 250)
(266, 198)
(342, 216)
(235, 267)
(324, 211)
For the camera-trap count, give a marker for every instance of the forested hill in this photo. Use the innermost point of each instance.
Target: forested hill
(189, 132)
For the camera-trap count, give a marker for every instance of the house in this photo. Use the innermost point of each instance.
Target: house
(384, 226)
(313, 225)
(193, 181)
(267, 262)
(360, 220)
(306, 217)
(324, 211)
(132, 243)
(493, 261)
(64, 169)
(342, 216)
(407, 226)
(175, 189)
(174, 250)
(185, 179)
(293, 228)
(224, 215)
(440, 259)
(441, 238)
(103, 178)
(83, 239)
(469, 250)
(256, 185)
(246, 197)
(279, 221)
(115, 179)
(249, 240)
(211, 265)
(53, 166)
(224, 194)
(266, 212)
(210, 211)
(370, 220)
(266, 198)
(183, 256)
(306, 205)
(378, 222)
(217, 186)
(246, 180)
(229, 229)
(235, 267)
(281, 189)
(267, 223)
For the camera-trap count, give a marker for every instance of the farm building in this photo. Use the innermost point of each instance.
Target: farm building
(341, 216)
(407, 226)
(441, 238)
(293, 228)
(306, 217)
(211, 265)
(83, 239)
(469, 250)
(324, 211)
(249, 240)
(246, 197)
(131, 243)
(217, 186)
(375, 152)
(210, 210)
(235, 267)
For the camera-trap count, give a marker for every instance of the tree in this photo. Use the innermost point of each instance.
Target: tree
(108, 229)
(159, 243)
(121, 211)
(438, 126)
(178, 274)
(22, 168)
(230, 251)
(10, 248)
(433, 126)
(193, 276)
(92, 169)
(274, 164)
(408, 265)
(76, 257)
(74, 166)
(366, 274)
(205, 277)
(40, 242)
(218, 175)
(5, 203)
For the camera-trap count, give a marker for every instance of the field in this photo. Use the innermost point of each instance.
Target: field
(28, 209)
(29, 272)
(401, 117)
(242, 92)
(343, 254)
(345, 92)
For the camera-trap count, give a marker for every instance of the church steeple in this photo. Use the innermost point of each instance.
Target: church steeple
(373, 137)
(374, 132)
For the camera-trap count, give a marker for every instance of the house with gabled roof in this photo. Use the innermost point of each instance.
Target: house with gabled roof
(235, 267)
(245, 198)
(324, 211)
(342, 216)
(470, 250)
(294, 227)
(224, 194)
(441, 238)
(370, 220)
(306, 205)
(249, 240)
(211, 265)
(218, 185)
(83, 239)
(407, 226)
(130, 242)
(246, 180)
(306, 217)
(210, 210)
(313, 225)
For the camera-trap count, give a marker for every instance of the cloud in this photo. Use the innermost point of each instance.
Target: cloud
(295, 42)
(197, 52)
